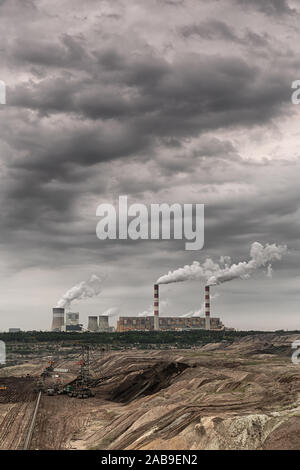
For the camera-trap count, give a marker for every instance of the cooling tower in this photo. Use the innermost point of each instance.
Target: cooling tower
(103, 323)
(93, 324)
(58, 319)
(207, 308)
(156, 306)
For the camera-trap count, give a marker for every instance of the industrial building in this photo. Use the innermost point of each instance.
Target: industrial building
(72, 318)
(69, 321)
(69, 328)
(156, 322)
(72, 322)
(166, 323)
(65, 321)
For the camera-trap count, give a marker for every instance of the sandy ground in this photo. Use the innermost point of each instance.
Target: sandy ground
(240, 396)
(16, 407)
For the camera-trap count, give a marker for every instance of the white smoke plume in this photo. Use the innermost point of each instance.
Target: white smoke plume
(149, 311)
(193, 313)
(213, 273)
(198, 313)
(111, 312)
(83, 290)
(146, 313)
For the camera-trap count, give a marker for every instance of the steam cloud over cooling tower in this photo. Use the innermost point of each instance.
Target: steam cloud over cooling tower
(111, 312)
(213, 273)
(83, 290)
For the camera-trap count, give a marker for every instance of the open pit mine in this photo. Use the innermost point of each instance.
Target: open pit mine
(240, 394)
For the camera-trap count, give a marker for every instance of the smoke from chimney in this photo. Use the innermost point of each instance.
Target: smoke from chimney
(83, 290)
(198, 313)
(111, 312)
(146, 313)
(149, 311)
(213, 273)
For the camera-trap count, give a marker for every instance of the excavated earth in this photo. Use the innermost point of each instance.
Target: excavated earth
(244, 395)
(16, 407)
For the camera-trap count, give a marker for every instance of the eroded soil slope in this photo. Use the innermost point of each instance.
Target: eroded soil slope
(244, 395)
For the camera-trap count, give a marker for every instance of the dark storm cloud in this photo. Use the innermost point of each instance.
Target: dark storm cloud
(18, 8)
(219, 30)
(252, 219)
(163, 105)
(193, 94)
(68, 52)
(212, 29)
(269, 7)
(208, 150)
(172, 2)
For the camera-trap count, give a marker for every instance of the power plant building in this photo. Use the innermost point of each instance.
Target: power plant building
(69, 321)
(72, 322)
(65, 321)
(167, 323)
(72, 318)
(156, 322)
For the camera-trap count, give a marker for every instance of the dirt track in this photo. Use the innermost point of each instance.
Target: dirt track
(16, 407)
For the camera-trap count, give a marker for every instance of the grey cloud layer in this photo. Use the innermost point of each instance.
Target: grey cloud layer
(170, 106)
(269, 7)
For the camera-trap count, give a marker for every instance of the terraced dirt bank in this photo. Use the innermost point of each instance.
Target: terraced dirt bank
(244, 395)
(16, 407)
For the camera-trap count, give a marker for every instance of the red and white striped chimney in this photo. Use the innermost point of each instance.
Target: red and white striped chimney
(156, 306)
(207, 308)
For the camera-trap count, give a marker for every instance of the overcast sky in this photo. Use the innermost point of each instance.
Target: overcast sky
(163, 101)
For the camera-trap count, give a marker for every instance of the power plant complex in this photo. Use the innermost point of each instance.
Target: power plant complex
(156, 322)
(210, 273)
(69, 321)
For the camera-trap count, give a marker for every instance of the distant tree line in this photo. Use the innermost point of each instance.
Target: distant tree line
(175, 338)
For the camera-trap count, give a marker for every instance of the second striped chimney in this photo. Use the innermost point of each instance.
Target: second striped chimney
(207, 308)
(156, 306)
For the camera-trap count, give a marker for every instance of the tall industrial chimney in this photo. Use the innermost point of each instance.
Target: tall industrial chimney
(156, 306)
(93, 324)
(58, 320)
(207, 308)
